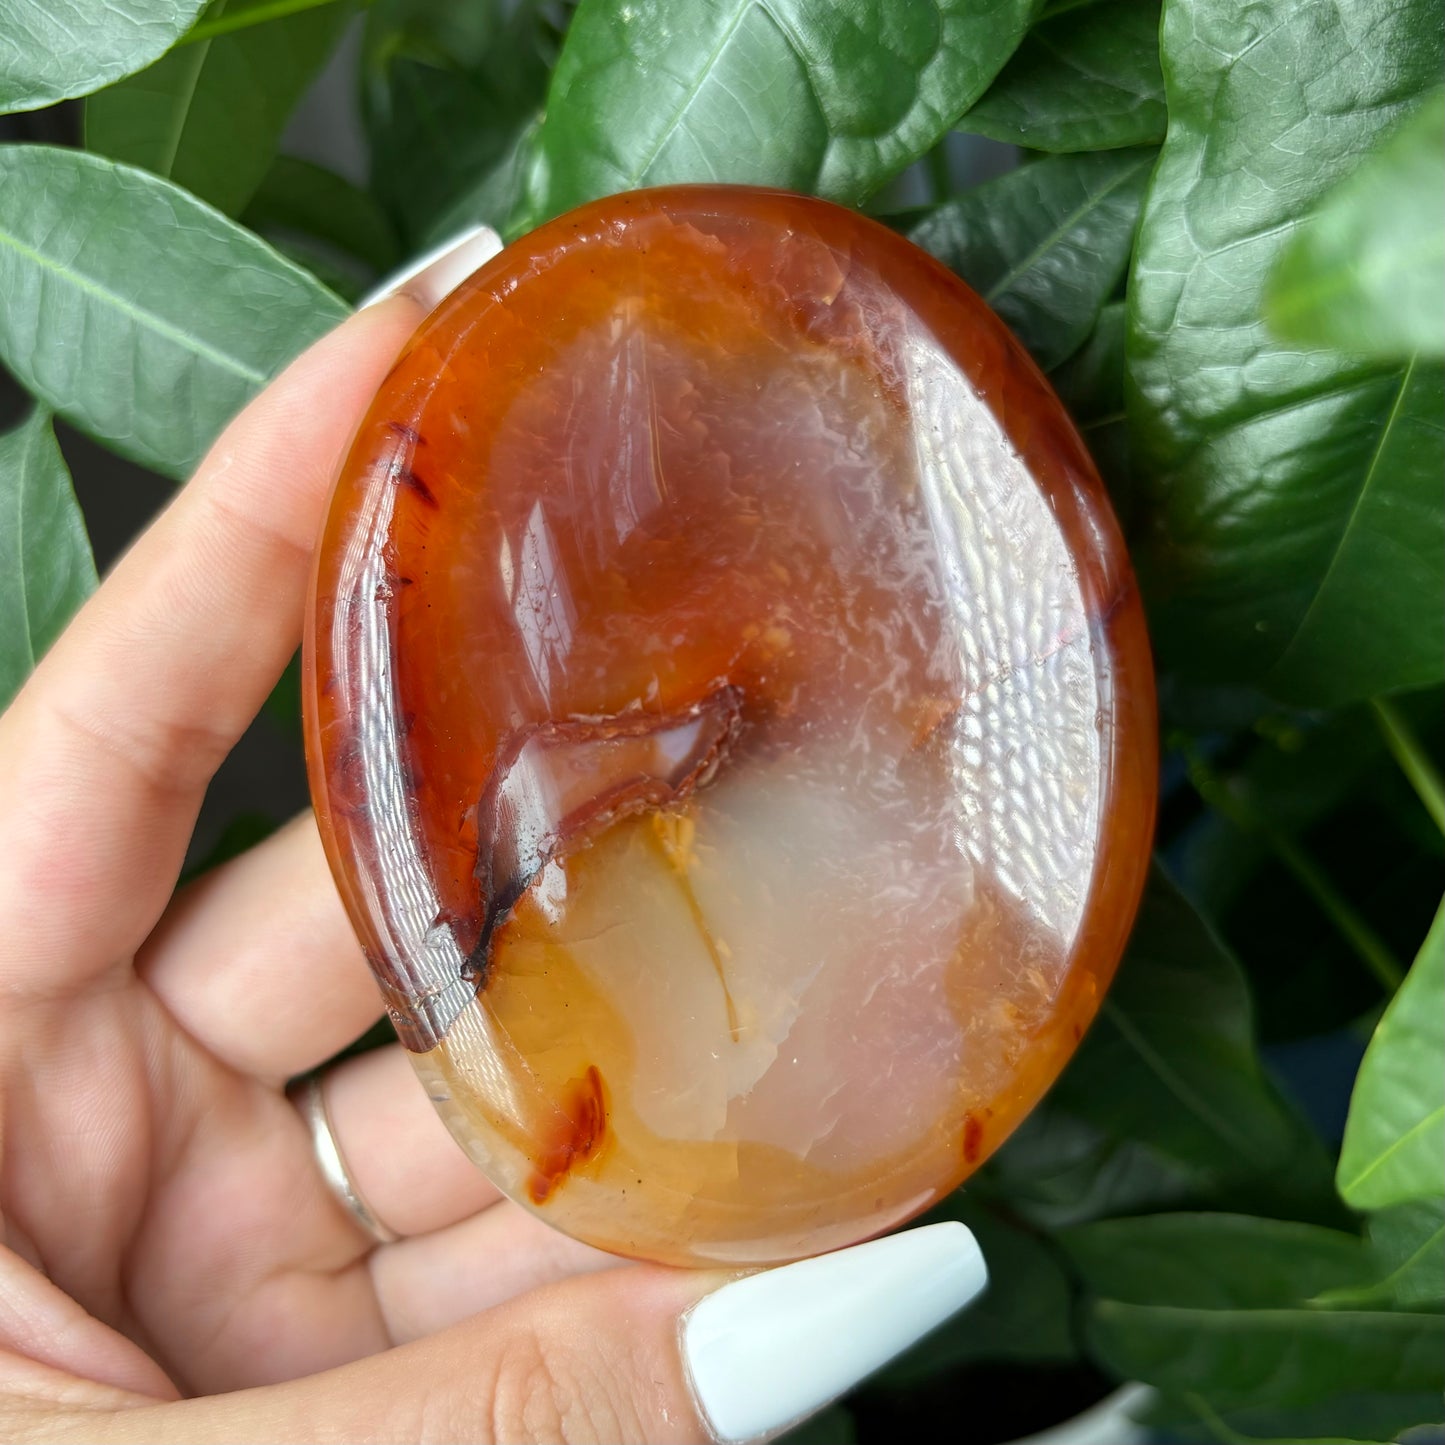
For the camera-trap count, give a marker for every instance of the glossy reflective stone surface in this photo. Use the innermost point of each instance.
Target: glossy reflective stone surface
(731, 723)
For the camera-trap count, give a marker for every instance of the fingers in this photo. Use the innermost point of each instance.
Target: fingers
(644, 1354)
(398, 1152)
(433, 1282)
(105, 754)
(592, 1359)
(257, 961)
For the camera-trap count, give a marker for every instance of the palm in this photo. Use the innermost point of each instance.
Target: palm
(153, 1168)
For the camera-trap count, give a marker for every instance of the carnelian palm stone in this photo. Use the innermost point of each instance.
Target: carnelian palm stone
(731, 723)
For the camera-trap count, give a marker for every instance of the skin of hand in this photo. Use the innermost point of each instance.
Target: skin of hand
(174, 1267)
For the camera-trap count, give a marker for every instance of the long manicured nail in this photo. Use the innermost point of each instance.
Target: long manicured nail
(441, 270)
(768, 1350)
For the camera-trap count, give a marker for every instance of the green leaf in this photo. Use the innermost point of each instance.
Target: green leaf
(1285, 486)
(449, 96)
(1324, 789)
(1358, 635)
(1394, 1147)
(1086, 78)
(1091, 384)
(140, 315)
(1408, 1245)
(46, 570)
(1367, 274)
(1279, 1358)
(209, 115)
(300, 198)
(56, 49)
(1363, 1418)
(497, 197)
(1046, 244)
(799, 93)
(1215, 1261)
(1171, 1060)
(1056, 1170)
(1407, 1248)
(1226, 1313)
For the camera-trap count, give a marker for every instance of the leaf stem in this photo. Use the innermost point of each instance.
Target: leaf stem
(258, 14)
(1371, 949)
(1414, 762)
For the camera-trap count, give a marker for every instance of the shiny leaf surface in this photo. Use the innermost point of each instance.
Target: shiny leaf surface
(55, 49)
(151, 358)
(1046, 244)
(1394, 1148)
(1285, 486)
(1367, 273)
(1087, 77)
(1171, 1059)
(798, 93)
(1226, 1313)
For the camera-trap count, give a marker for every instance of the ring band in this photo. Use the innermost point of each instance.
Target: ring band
(308, 1096)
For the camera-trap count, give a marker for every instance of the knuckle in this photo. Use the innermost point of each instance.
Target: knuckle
(545, 1393)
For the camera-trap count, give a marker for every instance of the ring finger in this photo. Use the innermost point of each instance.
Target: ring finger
(395, 1148)
(257, 962)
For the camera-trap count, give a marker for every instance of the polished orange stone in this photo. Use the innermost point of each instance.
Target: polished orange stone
(731, 723)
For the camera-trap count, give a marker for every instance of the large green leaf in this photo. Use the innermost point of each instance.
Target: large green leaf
(1226, 1313)
(1279, 1358)
(1367, 274)
(1407, 1249)
(46, 570)
(807, 94)
(53, 49)
(1299, 541)
(134, 311)
(450, 95)
(1363, 1417)
(1171, 1060)
(1056, 1170)
(1086, 78)
(298, 198)
(209, 115)
(1394, 1147)
(1408, 1246)
(1046, 244)
(1215, 1261)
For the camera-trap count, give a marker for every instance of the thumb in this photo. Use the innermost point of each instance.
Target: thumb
(630, 1355)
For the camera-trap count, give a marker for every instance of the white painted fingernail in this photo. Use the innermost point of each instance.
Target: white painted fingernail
(766, 1351)
(440, 271)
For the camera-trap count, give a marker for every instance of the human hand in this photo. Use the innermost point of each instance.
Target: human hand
(175, 1266)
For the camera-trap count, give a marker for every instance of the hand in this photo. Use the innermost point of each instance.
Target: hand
(175, 1267)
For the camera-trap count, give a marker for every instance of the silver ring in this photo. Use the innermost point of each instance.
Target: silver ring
(309, 1097)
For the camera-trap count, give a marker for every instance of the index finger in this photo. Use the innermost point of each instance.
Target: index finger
(106, 753)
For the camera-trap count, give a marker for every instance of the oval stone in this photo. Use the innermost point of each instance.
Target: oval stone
(731, 723)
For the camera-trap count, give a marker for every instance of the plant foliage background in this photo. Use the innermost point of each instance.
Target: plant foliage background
(1225, 240)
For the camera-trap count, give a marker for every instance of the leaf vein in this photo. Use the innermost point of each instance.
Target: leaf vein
(147, 320)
